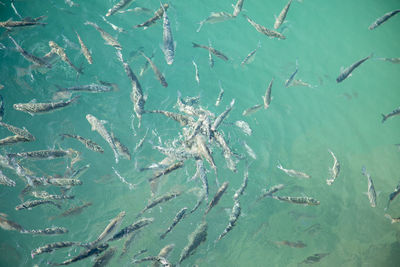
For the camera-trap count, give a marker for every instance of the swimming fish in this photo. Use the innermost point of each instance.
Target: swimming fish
(237, 8)
(265, 31)
(118, 6)
(391, 114)
(393, 195)
(314, 258)
(289, 81)
(160, 260)
(46, 195)
(84, 49)
(47, 231)
(103, 260)
(13, 140)
(38, 108)
(61, 53)
(394, 60)
(159, 200)
(393, 220)
(31, 58)
(382, 19)
(243, 186)
(10, 225)
(157, 15)
(22, 23)
(293, 173)
(215, 17)
(212, 50)
(271, 191)
(87, 142)
(267, 96)
(174, 166)
(281, 18)
(48, 248)
(196, 71)
(233, 217)
(18, 131)
(217, 122)
(195, 240)
(63, 182)
(157, 72)
(178, 217)
(334, 170)
(106, 36)
(244, 126)
(217, 197)
(132, 228)
(220, 95)
(44, 154)
(73, 211)
(298, 200)
(164, 252)
(168, 41)
(34, 203)
(251, 110)
(250, 57)
(371, 188)
(4, 180)
(296, 244)
(85, 254)
(121, 148)
(347, 71)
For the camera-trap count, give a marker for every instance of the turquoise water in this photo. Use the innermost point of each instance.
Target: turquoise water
(297, 130)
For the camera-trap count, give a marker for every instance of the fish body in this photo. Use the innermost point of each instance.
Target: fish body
(182, 119)
(371, 193)
(205, 151)
(249, 150)
(233, 217)
(164, 252)
(106, 36)
(391, 114)
(252, 109)
(157, 15)
(289, 81)
(296, 244)
(47, 231)
(314, 258)
(61, 53)
(264, 30)
(18, 131)
(227, 152)
(160, 260)
(212, 50)
(243, 186)
(1, 104)
(9, 140)
(4, 180)
(46, 195)
(22, 23)
(393, 195)
(217, 197)
(346, 72)
(168, 41)
(121, 148)
(250, 57)
(87, 142)
(334, 170)
(117, 7)
(222, 116)
(293, 173)
(132, 228)
(395, 60)
(74, 210)
(237, 8)
(178, 217)
(159, 200)
(271, 191)
(298, 200)
(48, 248)
(267, 96)
(219, 98)
(201, 173)
(43, 154)
(103, 260)
(34, 203)
(196, 71)
(63, 181)
(195, 239)
(174, 166)
(157, 72)
(31, 58)
(10, 225)
(382, 19)
(37, 108)
(84, 49)
(215, 17)
(281, 18)
(85, 254)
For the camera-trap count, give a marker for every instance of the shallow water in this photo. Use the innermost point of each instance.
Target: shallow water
(297, 130)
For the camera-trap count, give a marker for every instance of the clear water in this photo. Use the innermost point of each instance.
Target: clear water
(297, 130)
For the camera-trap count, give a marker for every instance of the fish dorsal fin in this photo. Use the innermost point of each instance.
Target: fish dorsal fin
(33, 101)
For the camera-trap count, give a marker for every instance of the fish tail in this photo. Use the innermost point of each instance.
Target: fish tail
(389, 217)
(74, 99)
(279, 165)
(195, 45)
(384, 117)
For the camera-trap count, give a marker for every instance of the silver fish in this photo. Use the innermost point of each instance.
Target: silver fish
(265, 31)
(164, 252)
(46, 195)
(61, 53)
(233, 217)
(201, 173)
(31, 58)
(250, 57)
(393, 195)
(237, 8)
(117, 7)
(289, 81)
(334, 170)
(204, 151)
(314, 258)
(44, 154)
(210, 58)
(391, 114)
(243, 186)
(48, 248)
(249, 150)
(9, 140)
(196, 71)
(22, 23)
(222, 116)
(382, 19)
(160, 260)
(115, 27)
(34, 203)
(18, 131)
(63, 181)
(10, 225)
(212, 50)
(87, 142)
(73, 211)
(220, 95)
(129, 239)
(251, 110)
(182, 119)
(347, 71)
(293, 173)
(157, 15)
(123, 151)
(271, 191)
(168, 41)
(84, 49)
(267, 96)
(4, 180)
(159, 200)
(85, 254)
(178, 217)
(230, 162)
(37, 108)
(298, 200)
(106, 36)
(215, 17)
(371, 188)
(132, 228)
(281, 18)
(244, 126)
(217, 197)
(174, 166)
(47, 231)
(103, 260)
(157, 72)
(195, 240)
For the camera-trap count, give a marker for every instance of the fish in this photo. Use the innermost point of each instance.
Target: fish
(201, 173)
(10, 225)
(18, 131)
(391, 114)
(129, 239)
(243, 186)
(61, 53)
(204, 151)
(141, 142)
(293, 173)
(103, 260)
(393, 220)
(146, 65)
(115, 27)
(178, 217)
(198, 203)
(217, 197)
(38, 108)
(182, 119)
(168, 41)
(118, 6)
(22, 23)
(164, 253)
(371, 188)
(394, 60)
(108, 232)
(157, 15)
(85, 254)
(174, 166)
(212, 50)
(122, 150)
(233, 217)
(309, 201)
(210, 58)
(98, 126)
(314, 258)
(347, 71)
(132, 228)
(251, 110)
(34, 203)
(44, 154)
(244, 126)
(48, 248)
(382, 19)
(296, 244)
(298, 82)
(73, 211)
(217, 122)
(47, 231)
(9, 140)
(4, 180)
(63, 181)
(334, 170)
(393, 195)
(1, 104)
(84, 49)
(271, 191)
(136, 9)
(87, 142)
(160, 260)
(195, 239)
(196, 72)
(237, 8)
(267, 97)
(264, 30)
(281, 18)
(31, 58)
(106, 36)
(289, 81)
(215, 17)
(220, 95)
(250, 57)
(249, 150)
(231, 163)
(46, 195)
(159, 200)
(157, 72)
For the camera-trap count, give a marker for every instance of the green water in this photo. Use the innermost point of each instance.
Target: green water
(300, 126)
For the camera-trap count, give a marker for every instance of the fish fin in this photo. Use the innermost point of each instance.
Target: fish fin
(383, 118)
(279, 165)
(201, 25)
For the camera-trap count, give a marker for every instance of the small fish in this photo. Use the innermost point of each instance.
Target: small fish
(44, 154)
(174, 166)
(196, 71)
(164, 253)
(34, 203)
(123, 151)
(38, 108)
(195, 239)
(85, 254)
(371, 188)
(103, 260)
(382, 19)
(198, 203)
(48, 248)
(178, 217)
(243, 186)
(265, 31)
(46, 195)
(217, 197)
(393, 195)
(298, 200)
(9, 140)
(244, 126)
(182, 119)
(289, 81)
(205, 151)
(271, 191)
(159, 200)
(63, 181)
(73, 211)
(220, 95)
(129, 239)
(233, 217)
(391, 114)
(137, 10)
(395, 60)
(215, 17)
(4, 180)
(210, 58)
(157, 15)
(61, 53)
(132, 228)
(87, 142)
(298, 82)
(281, 18)
(31, 58)
(217, 122)
(160, 260)
(212, 50)
(394, 220)
(26, 22)
(84, 49)
(347, 71)
(115, 27)
(168, 41)
(117, 7)
(201, 173)
(250, 57)
(249, 150)
(141, 142)
(293, 173)
(267, 96)
(297, 244)
(237, 8)
(314, 258)
(18, 131)
(157, 72)
(106, 36)
(47, 231)
(10, 225)
(251, 110)
(334, 170)
(1, 104)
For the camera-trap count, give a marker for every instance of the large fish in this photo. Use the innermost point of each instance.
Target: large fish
(85, 254)
(87, 142)
(118, 6)
(106, 36)
(61, 53)
(47, 231)
(217, 197)
(159, 200)
(347, 71)
(34, 203)
(237, 8)
(38, 108)
(168, 41)
(31, 58)
(244, 126)
(178, 217)
(10, 225)
(157, 72)
(252, 110)
(265, 31)
(132, 228)
(22, 23)
(195, 239)
(18, 131)
(9, 140)
(84, 49)
(371, 193)
(233, 217)
(391, 114)
(212, 50)
(46, 195)
(334, 170)
(217, 122)
(281, 18)
(382, 19)
(123, 151)
(44, 154)
(157, 15)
